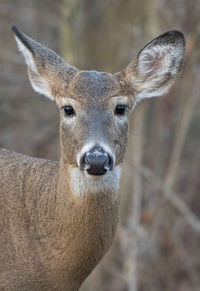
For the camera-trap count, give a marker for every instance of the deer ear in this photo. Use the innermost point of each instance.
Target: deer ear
(47, 70)
(157, 66)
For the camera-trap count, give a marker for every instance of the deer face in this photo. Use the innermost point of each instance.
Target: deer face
(94, 122)
(94, 106)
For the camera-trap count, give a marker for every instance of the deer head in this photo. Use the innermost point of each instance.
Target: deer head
(94, 106)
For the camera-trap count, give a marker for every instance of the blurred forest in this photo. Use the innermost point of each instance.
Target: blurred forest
(157, 244)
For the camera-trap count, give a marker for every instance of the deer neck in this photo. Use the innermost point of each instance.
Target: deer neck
(75, 198)
(83, 228)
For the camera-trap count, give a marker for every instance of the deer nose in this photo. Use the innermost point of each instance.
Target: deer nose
(97, 162)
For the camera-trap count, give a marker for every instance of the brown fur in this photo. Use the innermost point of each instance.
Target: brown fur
(50, 240)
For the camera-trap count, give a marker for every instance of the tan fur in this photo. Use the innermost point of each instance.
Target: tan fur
(52, 233)
(50, 240)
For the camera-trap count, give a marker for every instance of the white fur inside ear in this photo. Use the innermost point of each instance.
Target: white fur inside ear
(158, 59)
(27, 54)
(157, 68)
(38, 82)
(151, 93)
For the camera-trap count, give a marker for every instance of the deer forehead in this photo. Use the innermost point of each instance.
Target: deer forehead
(94, 91)
(95, 85)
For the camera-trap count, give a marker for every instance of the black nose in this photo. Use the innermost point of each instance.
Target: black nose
(96, 161)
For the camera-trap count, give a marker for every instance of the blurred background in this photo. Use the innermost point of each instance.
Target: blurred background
(157, 244)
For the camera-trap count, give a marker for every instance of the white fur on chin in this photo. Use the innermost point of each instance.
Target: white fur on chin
(83, 183)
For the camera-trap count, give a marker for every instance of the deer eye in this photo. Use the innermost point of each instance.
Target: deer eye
(120, 109)
(68, 110)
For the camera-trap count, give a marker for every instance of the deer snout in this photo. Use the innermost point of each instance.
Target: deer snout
(96, 161)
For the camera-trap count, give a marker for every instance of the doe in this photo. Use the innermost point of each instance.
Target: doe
(58, 219)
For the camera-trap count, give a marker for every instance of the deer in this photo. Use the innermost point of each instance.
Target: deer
(58, 218)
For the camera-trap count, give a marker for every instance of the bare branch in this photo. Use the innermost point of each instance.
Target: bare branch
(189, 108)
(173, 198)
